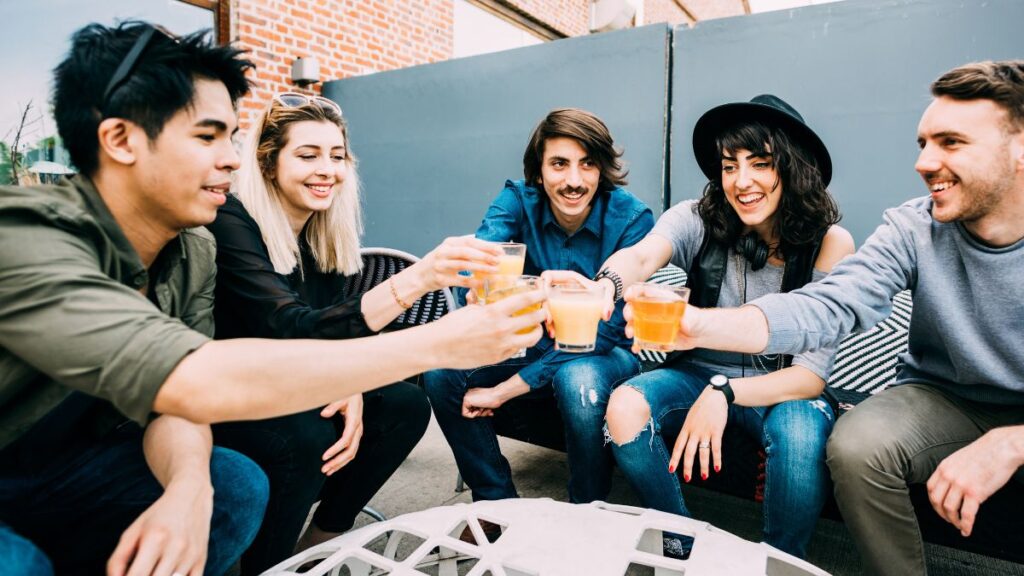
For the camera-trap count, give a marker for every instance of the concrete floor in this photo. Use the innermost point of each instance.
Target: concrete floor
(428, 476)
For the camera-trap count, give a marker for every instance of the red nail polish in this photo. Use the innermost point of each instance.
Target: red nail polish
(671, 469)
(703, 476)
(717, 468)
(686, 478)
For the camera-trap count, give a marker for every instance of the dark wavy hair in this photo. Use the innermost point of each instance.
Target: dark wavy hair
(590, 132)
(161, 84)
(806, 209)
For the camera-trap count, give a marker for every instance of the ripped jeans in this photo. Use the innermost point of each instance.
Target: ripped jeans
(793, 435)
(581, 388)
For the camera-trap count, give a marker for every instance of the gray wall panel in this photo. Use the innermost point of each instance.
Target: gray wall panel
(436, 142)
(858, 71)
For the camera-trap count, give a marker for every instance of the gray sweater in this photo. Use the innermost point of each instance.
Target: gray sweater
(967, 329)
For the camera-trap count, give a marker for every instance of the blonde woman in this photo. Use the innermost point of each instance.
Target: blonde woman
(286, 239)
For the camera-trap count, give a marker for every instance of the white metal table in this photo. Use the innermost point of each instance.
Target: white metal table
(540, 537)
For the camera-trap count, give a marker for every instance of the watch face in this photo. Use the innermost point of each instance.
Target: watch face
(719, 380)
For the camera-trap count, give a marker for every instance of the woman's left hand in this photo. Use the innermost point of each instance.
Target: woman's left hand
(345, 449)
(701, 434)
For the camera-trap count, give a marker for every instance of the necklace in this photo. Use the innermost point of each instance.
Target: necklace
(761, 362)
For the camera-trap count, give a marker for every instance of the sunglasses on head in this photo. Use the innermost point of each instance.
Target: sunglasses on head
(296, 100)
(127, 65)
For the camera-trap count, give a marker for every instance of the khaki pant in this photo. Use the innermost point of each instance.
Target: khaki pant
(893, 439)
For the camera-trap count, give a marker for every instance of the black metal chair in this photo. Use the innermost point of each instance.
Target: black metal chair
(379, 264)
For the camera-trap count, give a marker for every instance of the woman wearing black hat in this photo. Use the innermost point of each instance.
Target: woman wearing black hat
(765, 224)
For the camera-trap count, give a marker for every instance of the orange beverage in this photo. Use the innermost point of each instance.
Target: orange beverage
(657, 312)
(510, 263)
(497, 287)
(576, 312)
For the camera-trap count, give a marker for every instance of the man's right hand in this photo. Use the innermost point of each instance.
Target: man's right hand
(569, 277)
(482, 335)
(171, 536)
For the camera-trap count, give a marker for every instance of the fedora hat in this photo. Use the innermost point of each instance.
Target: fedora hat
(767, 109)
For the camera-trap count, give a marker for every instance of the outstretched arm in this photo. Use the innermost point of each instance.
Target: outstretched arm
(438, 269)
(246, 379)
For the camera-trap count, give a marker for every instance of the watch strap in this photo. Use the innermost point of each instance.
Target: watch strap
(615, 278)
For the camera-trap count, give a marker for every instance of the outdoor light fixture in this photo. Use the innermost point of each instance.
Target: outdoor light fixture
(608, 15)
(305, 71)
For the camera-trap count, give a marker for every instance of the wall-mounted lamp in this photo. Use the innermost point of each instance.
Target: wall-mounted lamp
(607, 15)
(305, 71)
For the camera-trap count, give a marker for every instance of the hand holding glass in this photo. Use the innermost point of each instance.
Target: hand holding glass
(657, 312)
(576, 310)
(510, 263)
(500, 286)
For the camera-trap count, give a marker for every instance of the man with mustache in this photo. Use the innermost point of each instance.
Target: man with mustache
(955, 422)
(572, 213)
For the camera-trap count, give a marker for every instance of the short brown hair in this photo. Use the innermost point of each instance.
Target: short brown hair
(1001, 82)
(586, 129)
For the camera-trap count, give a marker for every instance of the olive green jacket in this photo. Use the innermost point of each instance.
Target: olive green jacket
(72, 311)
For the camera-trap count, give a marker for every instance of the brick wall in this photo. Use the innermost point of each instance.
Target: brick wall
(355, 37)
(710, 9)
(570, 17)
(664, 11)
(347, 37)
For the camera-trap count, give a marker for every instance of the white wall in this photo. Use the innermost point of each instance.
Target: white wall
(478, 31)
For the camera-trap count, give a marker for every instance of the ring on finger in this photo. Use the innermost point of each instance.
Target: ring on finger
(704, 445)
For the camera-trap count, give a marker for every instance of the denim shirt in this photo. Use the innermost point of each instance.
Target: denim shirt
(521, 213)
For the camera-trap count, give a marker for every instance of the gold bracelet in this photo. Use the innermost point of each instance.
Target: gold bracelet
(394, 294)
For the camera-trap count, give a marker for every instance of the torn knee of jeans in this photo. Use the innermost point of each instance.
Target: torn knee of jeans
(588, 396)
(822, 407)
(649, 426)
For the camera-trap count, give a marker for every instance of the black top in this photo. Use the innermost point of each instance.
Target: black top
(254, 301)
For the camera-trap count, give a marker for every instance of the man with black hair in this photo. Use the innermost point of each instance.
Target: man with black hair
(106, 291)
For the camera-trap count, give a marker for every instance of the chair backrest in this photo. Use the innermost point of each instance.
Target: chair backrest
(379, 264)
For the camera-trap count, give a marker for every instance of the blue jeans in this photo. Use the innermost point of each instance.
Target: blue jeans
(793, 435)
(72, 510)
(581, 388)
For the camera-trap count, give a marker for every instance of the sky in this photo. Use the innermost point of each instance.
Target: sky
(35, 38)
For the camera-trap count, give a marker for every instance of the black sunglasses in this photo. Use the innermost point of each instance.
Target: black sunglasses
(125, 68)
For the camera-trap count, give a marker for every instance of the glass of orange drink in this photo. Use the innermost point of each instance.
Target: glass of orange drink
(500, 286)
(657, 311)
(576, 311)
(510, 263)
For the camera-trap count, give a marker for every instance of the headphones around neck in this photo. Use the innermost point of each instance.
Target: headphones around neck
(755, 250)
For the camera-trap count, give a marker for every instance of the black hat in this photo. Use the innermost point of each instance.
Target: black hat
(765, 108)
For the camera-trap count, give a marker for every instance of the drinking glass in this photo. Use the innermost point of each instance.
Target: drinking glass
(576, 311)
(657, 312)
(497, 287)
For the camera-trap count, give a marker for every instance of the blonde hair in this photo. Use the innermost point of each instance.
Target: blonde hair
(333, 234)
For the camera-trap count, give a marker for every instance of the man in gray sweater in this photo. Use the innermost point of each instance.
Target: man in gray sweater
(956, 420)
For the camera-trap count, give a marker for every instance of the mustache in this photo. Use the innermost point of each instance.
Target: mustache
(572, 190)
